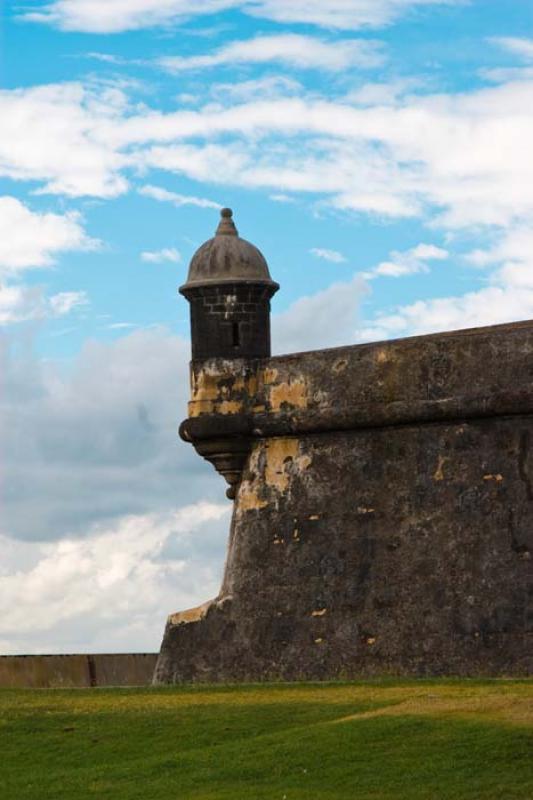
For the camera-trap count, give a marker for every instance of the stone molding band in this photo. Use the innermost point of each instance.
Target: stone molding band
(465, 408)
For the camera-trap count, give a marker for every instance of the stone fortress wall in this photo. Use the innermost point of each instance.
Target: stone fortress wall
(383, 519)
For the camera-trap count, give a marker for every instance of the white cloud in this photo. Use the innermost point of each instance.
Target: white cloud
(328, 255)
(156, 193)
(512, 256)
(459, 160)
(23, 303)
(231, 163)
(267, 87)
(30, 239)
(60, 136)
(408, 263)
(90, 451)
(344, 14)
(113, 16)
(385, 93)
(508, 298)
(107, 58)
(428, 252)
(489, 306)
(98, 16)
(507, 74)
(114, 588)
(282, 198)
(65, 302)
(160, 256)
(326, 319)
(518, 46)
(290, 49)
(34, 239)
(20, 303)
(515, 245)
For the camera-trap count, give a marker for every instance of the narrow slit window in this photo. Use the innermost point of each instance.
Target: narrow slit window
(236, 333)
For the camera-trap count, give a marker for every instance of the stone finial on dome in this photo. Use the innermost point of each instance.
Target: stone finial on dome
(226, 226)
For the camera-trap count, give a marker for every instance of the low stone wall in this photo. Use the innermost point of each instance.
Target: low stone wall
(77, 671)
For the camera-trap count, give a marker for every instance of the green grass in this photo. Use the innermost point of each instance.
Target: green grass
(380, 740)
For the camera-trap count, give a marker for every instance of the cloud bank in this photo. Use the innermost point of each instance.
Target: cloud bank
(97, 441)
(102, 16)
(290, 50)
(458, 160)
(115, 585)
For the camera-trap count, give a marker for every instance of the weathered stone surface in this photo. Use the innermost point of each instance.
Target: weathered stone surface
(83, 670)
(384, 521)
(476, 373)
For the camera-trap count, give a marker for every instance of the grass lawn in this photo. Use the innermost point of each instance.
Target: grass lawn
(378, 740)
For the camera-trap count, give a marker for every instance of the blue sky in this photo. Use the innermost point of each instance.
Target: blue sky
(377, 151)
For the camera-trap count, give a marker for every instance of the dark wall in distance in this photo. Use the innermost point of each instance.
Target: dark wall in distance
(77, 671)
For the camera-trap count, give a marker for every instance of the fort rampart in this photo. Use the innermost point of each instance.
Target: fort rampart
(383, 517)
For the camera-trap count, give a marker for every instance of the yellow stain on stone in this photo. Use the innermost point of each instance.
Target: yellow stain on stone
(191, 615)
(204, 386)
(319, 613)
(249, 385)
(340, 365)
(248, 499)
(270, 466)
(371, 640)
(229, 407)
(248, 496)
(439, 472)
(269, 375)
(211, 395)
(198, 407)
(281, 457)
(279, 453)
(226, 407)
(498, 478)
(292, 394)
(382, 356)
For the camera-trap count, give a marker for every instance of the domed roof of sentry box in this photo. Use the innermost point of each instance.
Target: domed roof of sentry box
(227, 259)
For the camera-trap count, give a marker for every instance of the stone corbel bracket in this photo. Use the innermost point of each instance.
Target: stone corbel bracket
(227, 455)
(220, 422)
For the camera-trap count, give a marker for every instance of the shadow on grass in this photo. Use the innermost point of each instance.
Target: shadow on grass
(259, 743)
